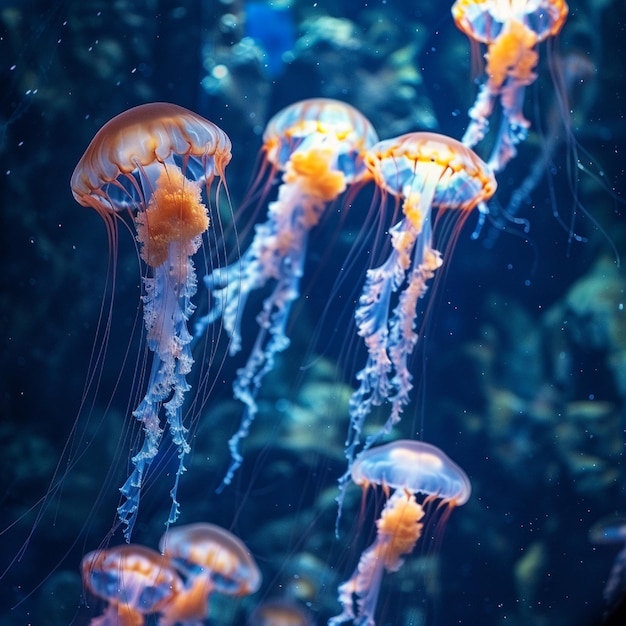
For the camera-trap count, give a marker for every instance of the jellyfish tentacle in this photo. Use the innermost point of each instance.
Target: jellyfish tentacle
(169, 233)
(511, 31)
(278, 255)
(167, 309)
(511, 59)
(390, 339)
(414, 235)
(403, 337)
(373, 326)
(399, 529)
(364, 585)
(514, 49)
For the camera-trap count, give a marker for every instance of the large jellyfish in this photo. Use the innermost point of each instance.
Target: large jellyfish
(319, 145)
(511, 29)
(210, 559)
(423, 171)
(405, 469)
(156, 162)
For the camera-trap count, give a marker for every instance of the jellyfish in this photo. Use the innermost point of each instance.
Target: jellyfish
(612, 530)
(134, 580)
(404, 469)
(154, 162)
(422, 171)
(209, 559)
(511, 29)
(318, 145)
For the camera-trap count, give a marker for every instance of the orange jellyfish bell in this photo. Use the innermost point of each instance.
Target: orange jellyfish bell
(210, 559)
(511, 29)
(319, 135)
(134, 580)
(407, 469)
(485, 20)
(157, 162)
(108, 177)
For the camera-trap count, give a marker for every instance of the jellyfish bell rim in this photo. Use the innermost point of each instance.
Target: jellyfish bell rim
(295, 118)
(174, 538)
(465, 14)
(455, 489)
(181, 131)
(429, 147)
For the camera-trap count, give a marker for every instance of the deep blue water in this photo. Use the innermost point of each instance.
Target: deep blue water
(519, 375)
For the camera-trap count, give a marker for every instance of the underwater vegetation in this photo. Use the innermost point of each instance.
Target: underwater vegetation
(286, 284)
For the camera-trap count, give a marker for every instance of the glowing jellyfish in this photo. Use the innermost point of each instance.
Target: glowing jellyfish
(318, 145)
(135, 581)
(423, 171)
(210, 559)
(155, 162)
(406, 469)
(511, 29)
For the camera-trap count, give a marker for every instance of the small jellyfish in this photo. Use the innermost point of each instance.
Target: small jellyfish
(423, 171)
(612, 530)
(319, 145)
(405, 469)
(134, 580)
(511, 29)
(209, 559)
(155, 162)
